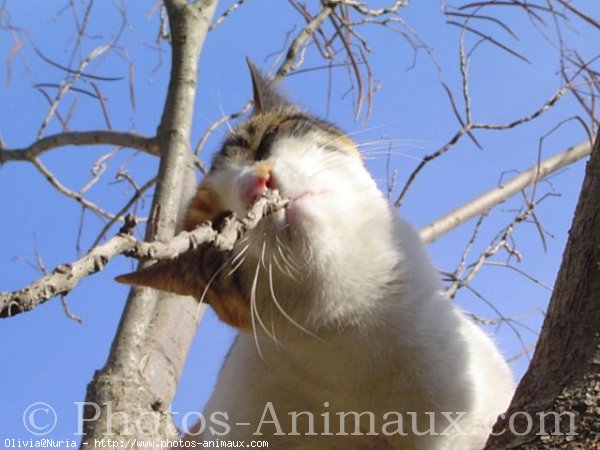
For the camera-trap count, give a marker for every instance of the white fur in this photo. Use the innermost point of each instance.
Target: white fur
(371, 331)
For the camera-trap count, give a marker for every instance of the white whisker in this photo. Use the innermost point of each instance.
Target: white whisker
(255, 315)
(289, 262)
(239, 259)
(254, 311)
(213, 277)
(283, 312)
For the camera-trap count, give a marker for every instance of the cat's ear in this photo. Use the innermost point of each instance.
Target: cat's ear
(181, 276)
(265, 95)
(169, 275)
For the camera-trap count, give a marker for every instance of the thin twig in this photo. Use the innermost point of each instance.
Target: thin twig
(68, 192)
(468, 127)
(67, 86)
(120, 214)
(224, 16)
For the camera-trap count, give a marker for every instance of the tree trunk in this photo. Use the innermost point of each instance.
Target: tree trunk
(129, 398)
(557, 403)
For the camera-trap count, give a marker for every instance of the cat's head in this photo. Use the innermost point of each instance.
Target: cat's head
(308, 160)
(324, 235)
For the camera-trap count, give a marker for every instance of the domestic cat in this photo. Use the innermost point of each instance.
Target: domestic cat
(345, 341)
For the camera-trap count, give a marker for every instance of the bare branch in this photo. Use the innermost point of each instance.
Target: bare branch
(580, 14)
(358, 6)
(68, 84)
(211, 129)
(497, 195)
(545, 107)
(491, 40)
(302, 37)
(526, 6)
(16, 48)
(119, 215)
(520, 272)
(75, 72)
(500, 242)
(225, 14)
(98, 169)
(79, 138)
(428, 158)
(66, 276)
(68, 192)
(468, 127)
(455, 276)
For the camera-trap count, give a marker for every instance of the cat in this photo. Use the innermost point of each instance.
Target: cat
(345, 338)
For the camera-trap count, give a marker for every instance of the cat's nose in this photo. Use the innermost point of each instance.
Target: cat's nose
(257, 183)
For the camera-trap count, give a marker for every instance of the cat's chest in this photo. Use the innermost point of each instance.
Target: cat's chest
(326, 383)
(350, 369)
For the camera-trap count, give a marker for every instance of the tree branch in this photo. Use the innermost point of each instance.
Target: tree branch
(78, 196)
(497, 195)
(66, 277)
(580, 14)
(226, 14)
(467, 128)
(68, 84)
(79, 138)
(392, 9)
(302, 37)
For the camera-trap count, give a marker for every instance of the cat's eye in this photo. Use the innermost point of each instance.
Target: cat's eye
(264, 147)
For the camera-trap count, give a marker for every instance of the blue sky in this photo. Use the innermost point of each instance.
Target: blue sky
(50, 358)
